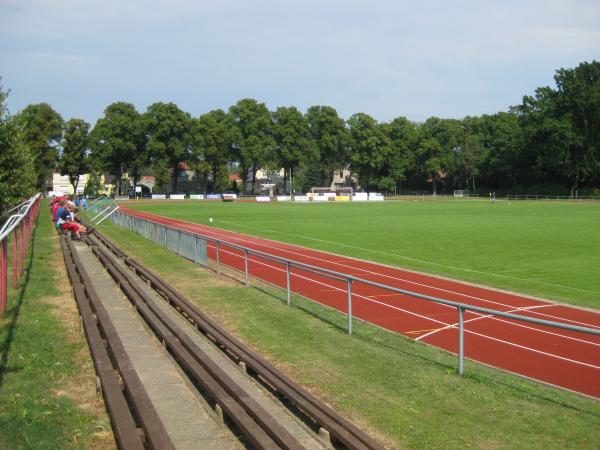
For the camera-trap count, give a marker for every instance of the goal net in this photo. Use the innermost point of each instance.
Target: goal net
(337, 190)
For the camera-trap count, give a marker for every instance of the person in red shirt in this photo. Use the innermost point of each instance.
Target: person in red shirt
(65, 220)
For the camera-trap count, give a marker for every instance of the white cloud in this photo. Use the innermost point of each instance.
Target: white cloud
(385, 58)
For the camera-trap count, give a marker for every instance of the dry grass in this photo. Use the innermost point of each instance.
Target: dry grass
(81, 386)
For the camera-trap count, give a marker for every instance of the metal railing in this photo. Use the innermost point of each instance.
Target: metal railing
(551, 197)
(20, 224)
(171, 238)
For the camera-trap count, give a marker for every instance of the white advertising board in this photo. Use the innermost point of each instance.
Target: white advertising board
(263, 198)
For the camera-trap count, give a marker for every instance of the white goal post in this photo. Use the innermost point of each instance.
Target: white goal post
(338, 190)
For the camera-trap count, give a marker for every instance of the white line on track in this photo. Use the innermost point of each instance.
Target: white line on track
(386, 295)
(446, 325)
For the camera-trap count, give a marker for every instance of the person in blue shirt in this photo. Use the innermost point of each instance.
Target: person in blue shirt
(58, 212)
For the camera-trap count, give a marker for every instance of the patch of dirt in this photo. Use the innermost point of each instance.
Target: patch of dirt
(81, 386)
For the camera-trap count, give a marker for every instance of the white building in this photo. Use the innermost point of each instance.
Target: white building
(61, 183)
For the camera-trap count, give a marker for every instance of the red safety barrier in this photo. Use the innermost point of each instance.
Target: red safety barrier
(20, 226)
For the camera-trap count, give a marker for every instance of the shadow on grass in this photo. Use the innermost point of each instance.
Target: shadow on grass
(474, 375)
(15, 312)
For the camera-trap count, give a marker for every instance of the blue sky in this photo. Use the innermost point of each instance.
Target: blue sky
(383, 58)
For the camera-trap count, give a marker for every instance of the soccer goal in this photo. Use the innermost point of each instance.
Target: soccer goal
(461, 193)
(337, 190)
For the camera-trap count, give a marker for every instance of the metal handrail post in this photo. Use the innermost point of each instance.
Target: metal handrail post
(246, 267)
(350, 306)
(14, 248)
(4, 276)
(217, 257)
(461, 341)
(287, 283)
(195, 249)
(21, 248)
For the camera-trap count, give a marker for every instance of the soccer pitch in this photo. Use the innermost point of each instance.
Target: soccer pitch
(546, 249)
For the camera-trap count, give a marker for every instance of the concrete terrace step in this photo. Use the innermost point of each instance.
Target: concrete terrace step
(189, 421)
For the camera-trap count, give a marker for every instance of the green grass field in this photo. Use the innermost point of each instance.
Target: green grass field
(546, 249)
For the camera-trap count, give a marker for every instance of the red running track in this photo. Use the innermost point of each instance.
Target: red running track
(559, 357)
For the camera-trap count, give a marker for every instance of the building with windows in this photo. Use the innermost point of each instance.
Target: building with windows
(61, 183)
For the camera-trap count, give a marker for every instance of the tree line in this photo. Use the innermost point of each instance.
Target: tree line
(548, 144)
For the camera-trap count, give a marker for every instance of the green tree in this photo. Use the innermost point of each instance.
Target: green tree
(75, 148)
(438, 142)
(370, 148)
(209, 151)
(502, 141)
(41, 128)
(578, 99)
(168, 130)
(249, 137)
(118, 143)
(294, 145)
(93, 185)
(403, 136)
(561, 127)
(331, 137)
(470, 154)
(17, 175)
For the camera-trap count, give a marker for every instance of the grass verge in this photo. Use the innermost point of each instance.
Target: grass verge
(47, 380)
(405, 393)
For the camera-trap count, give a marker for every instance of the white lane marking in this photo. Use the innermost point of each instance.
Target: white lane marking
(517, 324)
(447, 326)
(386, 295)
